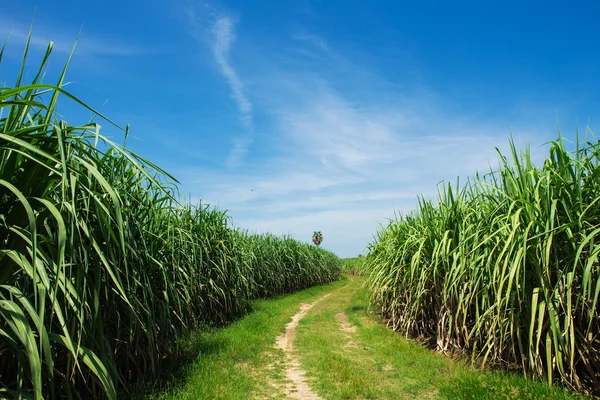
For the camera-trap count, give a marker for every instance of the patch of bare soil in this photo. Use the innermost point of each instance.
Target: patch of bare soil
(346, 326)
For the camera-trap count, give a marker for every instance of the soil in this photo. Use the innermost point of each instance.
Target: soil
(297, 386)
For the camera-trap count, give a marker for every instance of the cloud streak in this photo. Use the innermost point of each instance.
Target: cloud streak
(345, 166)
(221, 38)
(345, 148)
(88, 45)
(224, 36)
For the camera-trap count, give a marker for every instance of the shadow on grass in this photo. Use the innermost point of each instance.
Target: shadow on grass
(199, 342)
(206, 355)
(356, 308)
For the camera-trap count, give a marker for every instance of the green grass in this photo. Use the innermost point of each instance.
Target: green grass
(238, 361)
(376, 363)
(102, 265)
(505, 267)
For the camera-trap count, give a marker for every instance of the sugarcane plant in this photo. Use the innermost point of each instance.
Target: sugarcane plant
(504, 267)
(317, 238)
(101, 264)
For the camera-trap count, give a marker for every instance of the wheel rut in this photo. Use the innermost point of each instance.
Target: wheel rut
(296, 385)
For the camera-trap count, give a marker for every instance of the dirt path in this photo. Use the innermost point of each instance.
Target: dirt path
(326, 343)
(296, 386)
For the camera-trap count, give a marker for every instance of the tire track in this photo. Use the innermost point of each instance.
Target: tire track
(297, 386)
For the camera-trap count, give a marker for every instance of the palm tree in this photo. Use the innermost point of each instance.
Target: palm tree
(317, 238)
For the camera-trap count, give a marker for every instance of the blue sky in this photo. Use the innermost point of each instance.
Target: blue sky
(303, 115)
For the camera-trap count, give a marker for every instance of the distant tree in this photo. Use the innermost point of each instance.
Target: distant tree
(317, 238)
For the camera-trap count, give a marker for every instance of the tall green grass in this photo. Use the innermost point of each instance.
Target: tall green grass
(505, 267)
(354, 265)
(101, 266)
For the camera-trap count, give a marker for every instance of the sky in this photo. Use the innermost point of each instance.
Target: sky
(306, 115)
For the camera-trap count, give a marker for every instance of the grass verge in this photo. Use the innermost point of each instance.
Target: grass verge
(238, 361)
(354, 356)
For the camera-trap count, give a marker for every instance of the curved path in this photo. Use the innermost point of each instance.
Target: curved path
(333, 347)
(296, 386)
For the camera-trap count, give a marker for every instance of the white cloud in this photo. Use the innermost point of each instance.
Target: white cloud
(343, 168)
(351, 231)
(237, 154)
(224, 36)
(88, 44)
(221, 38)
(316, 41)
(344, 148)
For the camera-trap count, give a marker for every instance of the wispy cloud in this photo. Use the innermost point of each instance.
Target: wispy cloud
(346, 149)
(222, 37)
(88, 44)
(344, 167)
(239, 150)
(316, 41)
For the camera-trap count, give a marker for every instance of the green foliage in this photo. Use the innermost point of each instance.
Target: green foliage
(239, 360)
(371, 361)
(317, 238)
(100, 265)
(505, 268)
(354, 266)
